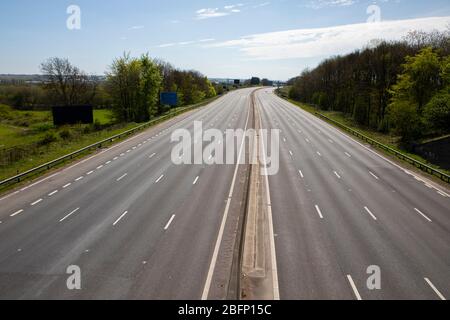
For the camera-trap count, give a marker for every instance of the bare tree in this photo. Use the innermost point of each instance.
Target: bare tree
(67, 84)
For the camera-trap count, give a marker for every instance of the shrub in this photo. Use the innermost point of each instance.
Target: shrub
(48, 138)
(21, 123)
(43, 127)
(65, 134)
(403, 116)
(437, 112)
(97, 125)
(5, 112)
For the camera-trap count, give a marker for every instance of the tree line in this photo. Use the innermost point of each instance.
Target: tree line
(131, 87)
(390, 86)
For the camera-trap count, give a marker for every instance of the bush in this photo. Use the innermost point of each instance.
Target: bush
(5, 112)
(43, 127)
(48, 138)
(21, 123)
(405, 119)
(97, 125)
(437, 113)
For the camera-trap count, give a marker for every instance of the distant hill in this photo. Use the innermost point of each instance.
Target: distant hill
(32, 78)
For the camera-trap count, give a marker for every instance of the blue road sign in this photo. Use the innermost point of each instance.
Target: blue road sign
(169, 98)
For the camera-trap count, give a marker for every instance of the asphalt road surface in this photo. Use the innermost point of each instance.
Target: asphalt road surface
(339, 208)
(141, 227)
(137, 225)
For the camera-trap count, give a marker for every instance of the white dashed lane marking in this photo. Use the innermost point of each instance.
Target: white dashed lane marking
(17, 213)
(169, 223)
(319, 212)
(71, 213)
(422, 214)
(120, 218)
(121, 177)
(370, 212)
(373, 175)
(36, 202)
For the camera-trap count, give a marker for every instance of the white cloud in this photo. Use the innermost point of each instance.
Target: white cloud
(233, 6)
(319, 42)
(185, 43)
(318, 4)
(264, 4)
(166, 45)
(136, 27)
(207, 13)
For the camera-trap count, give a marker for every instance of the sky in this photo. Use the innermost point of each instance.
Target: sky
(274, 39)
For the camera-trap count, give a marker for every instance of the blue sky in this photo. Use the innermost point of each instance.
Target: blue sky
(235, 38)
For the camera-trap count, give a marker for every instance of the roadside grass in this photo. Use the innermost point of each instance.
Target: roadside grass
(386, 139)
(59, 148)
(10, 135)
(22, 128)
(104, 116)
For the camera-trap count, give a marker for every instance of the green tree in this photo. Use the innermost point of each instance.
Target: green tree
(437, 113)
(123, 87)
(150, 85)
(405, 119)
(420, 80)
(134, 85)
(210, 91)
(445, 72)
(422, 72)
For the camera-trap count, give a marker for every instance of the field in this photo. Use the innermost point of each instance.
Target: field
(18, 128)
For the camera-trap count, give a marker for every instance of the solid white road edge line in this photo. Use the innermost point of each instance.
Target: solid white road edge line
(212, 265)
(435, 289)
(275, 283)
(355, 290)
